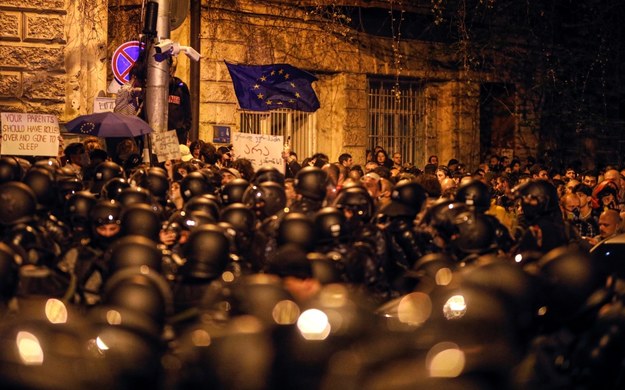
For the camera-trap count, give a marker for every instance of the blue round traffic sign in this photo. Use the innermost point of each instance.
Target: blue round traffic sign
(123, 59)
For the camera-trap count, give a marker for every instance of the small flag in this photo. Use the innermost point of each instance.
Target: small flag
(271, 87)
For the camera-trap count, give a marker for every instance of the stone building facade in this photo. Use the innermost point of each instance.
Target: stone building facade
(55, 56)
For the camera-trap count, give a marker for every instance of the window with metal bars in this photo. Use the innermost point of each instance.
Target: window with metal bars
(298, 125)
(397, 119)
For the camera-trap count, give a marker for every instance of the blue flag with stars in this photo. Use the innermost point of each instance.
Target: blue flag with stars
(270, 87)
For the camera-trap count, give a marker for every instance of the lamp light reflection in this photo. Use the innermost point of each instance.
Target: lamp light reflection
(445, 360)
(313, 324)
(455, 307)
(29, 348)
(56, 312)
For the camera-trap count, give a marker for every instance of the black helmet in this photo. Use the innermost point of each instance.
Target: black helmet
(134, 195)
(476, 234)
(41, 181)
(134, 251)
(10, 169)
(140, 289)
(356, 199)
(407, 199)
(154, 179)
(538, 198)
(329, 224)
(18, 201)
(441, 216)
(268, 173)
(569, 276)
(266, 198)
(181, 220)
(106, 211)
(296, 228)
(206, 253)
(141, 219)
(212, 176)
(474, 194)
(194, 184)
(239, 216)
(232, 192)
(113, 188)
(68, 185)
(311, 182)
(104, 172)
(78, 209)
(50, 164)
(207, 203)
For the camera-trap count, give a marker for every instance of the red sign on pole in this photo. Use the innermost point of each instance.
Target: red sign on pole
(123, 59)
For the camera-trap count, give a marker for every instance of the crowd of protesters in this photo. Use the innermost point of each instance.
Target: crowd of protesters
(206, 272)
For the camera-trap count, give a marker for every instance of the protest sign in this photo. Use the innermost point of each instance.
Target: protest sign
(165, 145)
(103, 104)
(29, 134)
(260, 149)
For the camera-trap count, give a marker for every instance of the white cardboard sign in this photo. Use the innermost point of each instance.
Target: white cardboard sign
(260, 149)
(29, 134)
(165, 145)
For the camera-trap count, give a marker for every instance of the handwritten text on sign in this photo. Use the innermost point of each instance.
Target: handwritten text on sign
(165, 145)
(29, 134)
(260, 149)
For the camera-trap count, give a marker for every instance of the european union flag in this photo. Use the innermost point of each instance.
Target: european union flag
(270, 87)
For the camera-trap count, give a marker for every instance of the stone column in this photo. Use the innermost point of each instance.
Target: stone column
(458, 122)
(342, 118)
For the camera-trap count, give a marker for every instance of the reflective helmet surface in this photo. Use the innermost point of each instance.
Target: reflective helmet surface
(268, 173)
(296, 228)
(232, 192)
(134, 195)
(134, 251)
(18, 201)
(104, 172)
(239, 216)
(311, 182)
(476, 235)
(206, 203)
(206, 252)
(194, 184)
(474, 194)
(266, 198)
(41, 181)
(538, 198)
(114, 187)
(329, 224)
(356, 199)
(141, 219)
(106, 211)
(10, 169)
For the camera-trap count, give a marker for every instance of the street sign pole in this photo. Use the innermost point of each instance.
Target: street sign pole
(157, 85)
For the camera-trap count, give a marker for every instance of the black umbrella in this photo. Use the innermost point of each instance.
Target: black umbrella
(108, 124)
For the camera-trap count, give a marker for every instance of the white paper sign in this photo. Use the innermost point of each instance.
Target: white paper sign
(261, 150)
(165, 145)
(29, 134)
(103, 104)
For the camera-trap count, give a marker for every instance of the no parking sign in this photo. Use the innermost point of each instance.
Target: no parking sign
(123, 59)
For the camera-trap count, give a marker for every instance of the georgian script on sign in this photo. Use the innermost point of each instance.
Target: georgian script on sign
(260, 149)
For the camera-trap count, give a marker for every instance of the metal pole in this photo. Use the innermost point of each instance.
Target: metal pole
(196, 20)
(157, 85)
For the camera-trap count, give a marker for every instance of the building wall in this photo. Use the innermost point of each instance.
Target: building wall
(52, 55)
(55, 58)
(255, 34)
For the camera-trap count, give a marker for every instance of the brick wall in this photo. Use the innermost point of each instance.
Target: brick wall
(32, 64)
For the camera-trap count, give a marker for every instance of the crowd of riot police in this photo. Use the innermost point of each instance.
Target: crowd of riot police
(108, 283)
